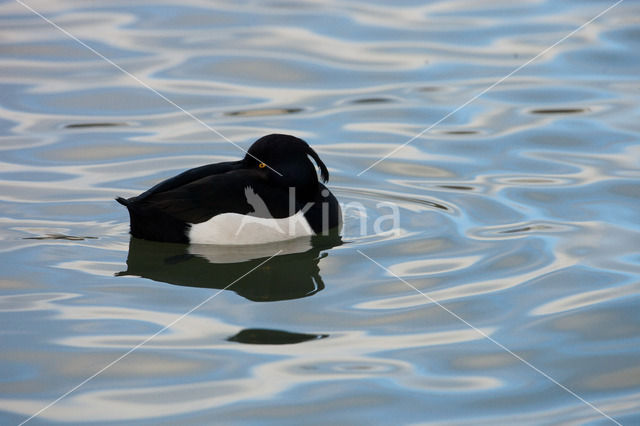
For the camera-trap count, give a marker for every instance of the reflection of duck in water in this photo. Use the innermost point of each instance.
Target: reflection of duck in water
(293, 274)
(272, 194)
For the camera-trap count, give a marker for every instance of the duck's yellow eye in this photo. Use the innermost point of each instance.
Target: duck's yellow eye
(262, 165)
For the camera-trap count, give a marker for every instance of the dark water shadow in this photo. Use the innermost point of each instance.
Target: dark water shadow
(93, 125)
(551, 111)
(263, 112)
(60, 237)
(262, 336)
(291, 275)
(361, 101)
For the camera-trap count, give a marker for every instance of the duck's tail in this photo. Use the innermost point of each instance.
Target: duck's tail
(154, 224)
(123, 201)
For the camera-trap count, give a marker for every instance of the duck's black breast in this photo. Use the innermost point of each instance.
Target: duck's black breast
(323, 212)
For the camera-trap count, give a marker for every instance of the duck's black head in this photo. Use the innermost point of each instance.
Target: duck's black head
(285, 159)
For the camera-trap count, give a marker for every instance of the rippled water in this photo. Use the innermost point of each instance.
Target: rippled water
(511, 288)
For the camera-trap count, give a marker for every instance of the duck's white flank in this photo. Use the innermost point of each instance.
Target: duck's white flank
(234, 228)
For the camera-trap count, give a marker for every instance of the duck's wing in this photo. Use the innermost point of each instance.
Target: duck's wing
(199, 200)
(190, 176)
